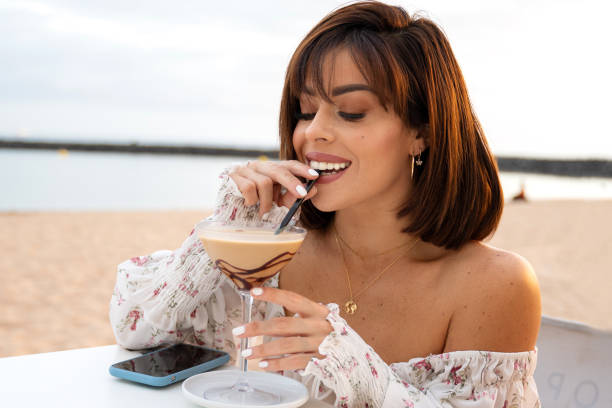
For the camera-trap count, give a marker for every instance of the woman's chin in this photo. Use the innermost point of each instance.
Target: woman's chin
(324, 205)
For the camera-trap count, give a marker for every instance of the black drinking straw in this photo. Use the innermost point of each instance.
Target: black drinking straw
(294, 208)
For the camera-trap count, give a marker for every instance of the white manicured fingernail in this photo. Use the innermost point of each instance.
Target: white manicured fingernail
(313, 172)
(257, 291)
(301, 190)
(247, 352)
(263, 364)
(237, 331)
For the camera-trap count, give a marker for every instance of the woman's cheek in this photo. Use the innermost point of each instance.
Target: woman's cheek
(298, 139)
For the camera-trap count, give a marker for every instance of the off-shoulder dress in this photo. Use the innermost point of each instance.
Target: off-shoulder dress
(177, 296)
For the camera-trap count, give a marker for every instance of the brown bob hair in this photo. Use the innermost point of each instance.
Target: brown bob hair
(408, 62)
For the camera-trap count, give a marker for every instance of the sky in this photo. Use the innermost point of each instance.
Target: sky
(211, 73)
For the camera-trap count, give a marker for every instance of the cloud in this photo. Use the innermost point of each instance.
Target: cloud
(192, 70)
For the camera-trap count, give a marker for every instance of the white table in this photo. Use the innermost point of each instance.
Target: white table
(80, 378)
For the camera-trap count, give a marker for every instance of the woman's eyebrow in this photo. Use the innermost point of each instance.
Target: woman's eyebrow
(350, 88)
(339, 90)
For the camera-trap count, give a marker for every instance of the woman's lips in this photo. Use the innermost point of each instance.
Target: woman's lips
(329, 166)
(325, 157)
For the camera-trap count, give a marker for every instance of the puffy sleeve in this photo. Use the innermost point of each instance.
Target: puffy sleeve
(464, 379)
(178, 296)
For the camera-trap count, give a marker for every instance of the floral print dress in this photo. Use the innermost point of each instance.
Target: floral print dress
(177, 296)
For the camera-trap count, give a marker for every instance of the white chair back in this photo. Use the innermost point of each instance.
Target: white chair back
(574, 365)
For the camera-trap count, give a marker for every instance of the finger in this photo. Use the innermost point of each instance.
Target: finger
(292, 362)
(286, 174)
(276, 196)
(247, 188)
(301, 169)
(286, 345)
(295, 167)
(292, 301)
(264, 186)
(311, 193)
(281, 173)
(287, 199)
(284, 326)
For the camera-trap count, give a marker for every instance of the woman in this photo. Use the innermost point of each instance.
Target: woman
(430, 315)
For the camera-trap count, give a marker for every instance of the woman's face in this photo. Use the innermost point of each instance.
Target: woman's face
(365, 147)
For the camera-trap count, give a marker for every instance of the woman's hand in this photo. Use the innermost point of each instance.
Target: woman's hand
(301, 336)
(262, 181)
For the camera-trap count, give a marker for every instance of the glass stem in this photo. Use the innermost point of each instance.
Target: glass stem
(247, 304)
(242, 384)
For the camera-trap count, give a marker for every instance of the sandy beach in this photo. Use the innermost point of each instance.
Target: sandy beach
(58, 269)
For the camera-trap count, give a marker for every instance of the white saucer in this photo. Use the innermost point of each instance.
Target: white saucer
(292, 393)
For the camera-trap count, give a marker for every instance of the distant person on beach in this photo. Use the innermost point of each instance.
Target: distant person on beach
(520, 196)
(429, 315)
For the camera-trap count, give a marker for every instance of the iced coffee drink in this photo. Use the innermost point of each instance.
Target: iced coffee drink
(250, 256)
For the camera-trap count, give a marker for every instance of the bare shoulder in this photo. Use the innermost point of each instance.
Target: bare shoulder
(499, 306)
(497, 268)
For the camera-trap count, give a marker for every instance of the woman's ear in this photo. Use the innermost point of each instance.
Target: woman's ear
(418, 140)
(423, 138)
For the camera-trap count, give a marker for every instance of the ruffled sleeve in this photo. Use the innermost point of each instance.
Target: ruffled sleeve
(466, 379)
(178, 296)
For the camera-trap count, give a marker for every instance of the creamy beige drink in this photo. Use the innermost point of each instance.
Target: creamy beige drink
(250, 256)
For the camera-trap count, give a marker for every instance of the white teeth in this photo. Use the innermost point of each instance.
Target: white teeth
(324, 166)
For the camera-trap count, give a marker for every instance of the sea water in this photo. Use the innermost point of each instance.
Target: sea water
(35, 180)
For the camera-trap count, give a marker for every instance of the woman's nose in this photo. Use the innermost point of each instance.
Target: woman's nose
(320, 129)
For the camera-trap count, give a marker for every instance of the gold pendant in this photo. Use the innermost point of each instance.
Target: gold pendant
(350, 307)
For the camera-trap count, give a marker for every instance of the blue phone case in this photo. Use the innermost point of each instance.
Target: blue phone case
(171, 378)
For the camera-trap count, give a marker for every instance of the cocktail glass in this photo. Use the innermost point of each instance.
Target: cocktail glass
(249, 256)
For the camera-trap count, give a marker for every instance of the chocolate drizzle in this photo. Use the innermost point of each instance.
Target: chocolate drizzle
(243, 277)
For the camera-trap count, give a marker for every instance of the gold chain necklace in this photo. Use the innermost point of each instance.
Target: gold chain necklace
(350, 307)
(378, 254)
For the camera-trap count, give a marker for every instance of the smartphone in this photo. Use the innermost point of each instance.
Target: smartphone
(169, 365)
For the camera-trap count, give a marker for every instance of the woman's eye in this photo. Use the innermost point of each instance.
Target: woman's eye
(352, 116)
(304, 116)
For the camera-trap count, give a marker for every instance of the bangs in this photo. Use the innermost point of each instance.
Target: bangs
(369, 52)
